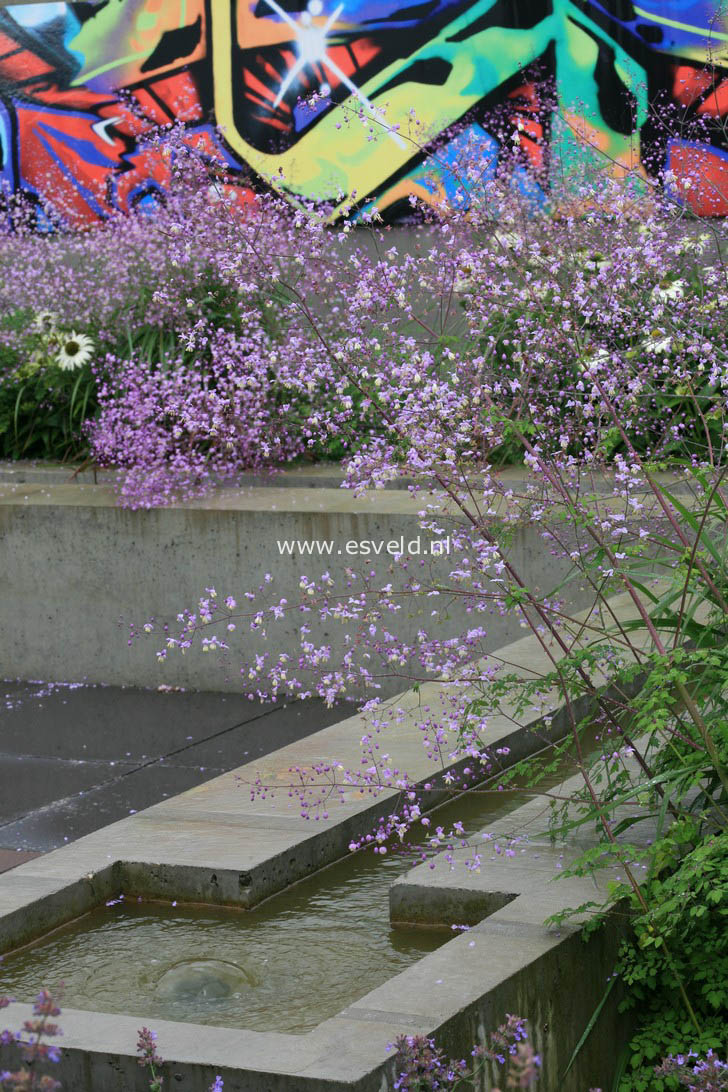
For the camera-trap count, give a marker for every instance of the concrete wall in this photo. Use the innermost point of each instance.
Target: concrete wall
(558, 992)
(75, 570)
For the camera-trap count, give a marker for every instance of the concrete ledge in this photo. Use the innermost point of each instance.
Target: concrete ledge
(565, 978)
(289, 476)
(303, 476)
(413, 903)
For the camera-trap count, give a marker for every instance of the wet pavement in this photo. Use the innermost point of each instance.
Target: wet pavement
(74, 758)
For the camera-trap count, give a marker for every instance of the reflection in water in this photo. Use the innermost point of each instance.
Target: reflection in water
(194, 980)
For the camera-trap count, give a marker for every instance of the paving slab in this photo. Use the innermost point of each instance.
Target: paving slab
(74, 758)
(45, 828)
(30, 783)
(86, 721)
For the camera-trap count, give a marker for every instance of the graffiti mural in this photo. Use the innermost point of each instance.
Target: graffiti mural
(85, 86)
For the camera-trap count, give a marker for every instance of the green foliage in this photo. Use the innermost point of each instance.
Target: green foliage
(160, 342)
(657, 779)
(679, 944)
(662, 1034)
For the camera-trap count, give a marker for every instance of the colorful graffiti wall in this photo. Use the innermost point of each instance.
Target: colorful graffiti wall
(84, 86)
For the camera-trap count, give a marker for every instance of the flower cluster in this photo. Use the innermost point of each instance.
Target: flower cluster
(34, 1052)
(269, 335)
(708, 1074)
(589, 346)
(422, 1066)
(149, 1059)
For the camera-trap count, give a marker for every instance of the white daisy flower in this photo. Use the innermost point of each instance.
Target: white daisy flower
(595, 361)
(508, 240)
(45, 322)
(75, 351)
(658, 345)
(593, 260)
(674, 290)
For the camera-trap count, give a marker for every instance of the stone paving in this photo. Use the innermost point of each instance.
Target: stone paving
(75, 758)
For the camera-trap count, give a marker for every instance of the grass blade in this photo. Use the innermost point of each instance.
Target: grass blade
(592, 1021)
